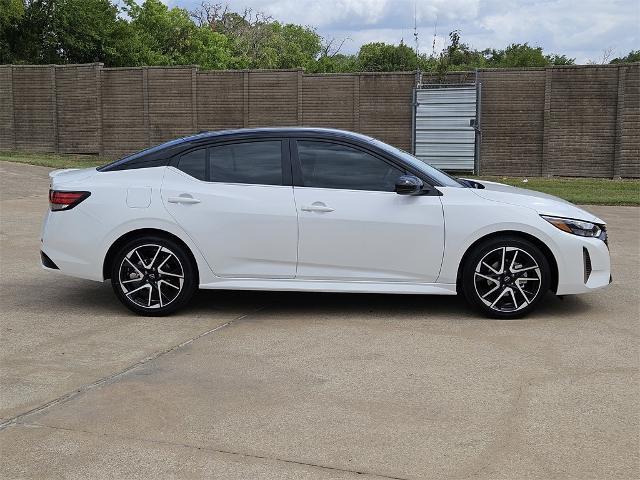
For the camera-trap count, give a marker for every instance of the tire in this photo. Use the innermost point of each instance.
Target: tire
(505, 277)
(153, 276)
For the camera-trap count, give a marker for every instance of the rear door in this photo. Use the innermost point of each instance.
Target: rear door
(235, 201)
(353, 226)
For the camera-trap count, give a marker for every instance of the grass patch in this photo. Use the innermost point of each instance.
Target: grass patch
(585, 191)
(55, 160)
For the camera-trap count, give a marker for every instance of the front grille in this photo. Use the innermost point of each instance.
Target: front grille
(587, 264)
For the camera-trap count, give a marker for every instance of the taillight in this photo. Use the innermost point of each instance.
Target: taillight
(59, 200)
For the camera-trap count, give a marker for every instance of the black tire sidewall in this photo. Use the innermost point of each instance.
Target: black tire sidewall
(190, 278)
(480, 251)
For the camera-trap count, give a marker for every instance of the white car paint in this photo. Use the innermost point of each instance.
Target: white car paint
(245, 217)
(300, 238)
(75, 239)
(368, 236)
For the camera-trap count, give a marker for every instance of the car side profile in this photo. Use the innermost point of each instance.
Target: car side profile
(310, 209)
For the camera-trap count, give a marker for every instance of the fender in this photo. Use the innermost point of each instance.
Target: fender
(484, 219)
(206, 274)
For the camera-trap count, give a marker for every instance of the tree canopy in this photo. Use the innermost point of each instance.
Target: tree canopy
(130, 33)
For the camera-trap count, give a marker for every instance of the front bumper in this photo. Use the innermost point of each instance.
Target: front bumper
(585, 266)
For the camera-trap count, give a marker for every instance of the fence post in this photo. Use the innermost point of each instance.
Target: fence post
(356, 103)
(300, 112)
(98, 80)
(13, 109)
(145, 100)
(54, 107)
(245, 100)
(617, 152)
(544, 164)
(194, 98)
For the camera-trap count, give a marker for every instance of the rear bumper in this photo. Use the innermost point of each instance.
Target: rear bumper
(47, 262)
(70, 241)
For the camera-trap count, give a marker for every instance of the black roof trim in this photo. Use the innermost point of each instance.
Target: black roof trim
(276, 131)
(160, 155)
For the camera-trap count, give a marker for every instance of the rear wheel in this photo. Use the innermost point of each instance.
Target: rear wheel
(153, 276)
(506, 277)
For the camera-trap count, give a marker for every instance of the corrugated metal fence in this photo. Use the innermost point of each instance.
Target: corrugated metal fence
(445, 119)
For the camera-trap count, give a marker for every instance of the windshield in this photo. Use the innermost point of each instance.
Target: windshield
(438, 175)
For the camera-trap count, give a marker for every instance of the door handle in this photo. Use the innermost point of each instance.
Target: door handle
(316, 207)
(186, 199)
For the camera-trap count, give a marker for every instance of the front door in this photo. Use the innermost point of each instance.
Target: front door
(353, 227)
(237, 206)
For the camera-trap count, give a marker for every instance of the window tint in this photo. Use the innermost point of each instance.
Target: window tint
(329, 165)
(249, 162)
(194, 163)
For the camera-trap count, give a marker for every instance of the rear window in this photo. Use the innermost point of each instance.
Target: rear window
(194, 163)
(253, 163)
(258, 163)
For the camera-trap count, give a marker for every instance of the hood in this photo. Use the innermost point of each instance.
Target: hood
(542, 203)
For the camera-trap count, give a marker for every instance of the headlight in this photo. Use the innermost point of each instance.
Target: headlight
(576, 227)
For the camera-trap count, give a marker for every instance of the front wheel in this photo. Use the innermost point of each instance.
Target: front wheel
(505, 277)
(153, 276)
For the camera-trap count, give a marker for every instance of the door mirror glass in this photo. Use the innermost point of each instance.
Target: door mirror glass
(409, 185)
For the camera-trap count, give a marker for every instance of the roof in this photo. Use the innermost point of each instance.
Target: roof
(276, 131)
(159, 154)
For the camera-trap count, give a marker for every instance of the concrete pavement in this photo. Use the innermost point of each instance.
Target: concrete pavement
(286, 385)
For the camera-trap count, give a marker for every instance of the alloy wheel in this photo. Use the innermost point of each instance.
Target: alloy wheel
(151, 276)
(507, 279)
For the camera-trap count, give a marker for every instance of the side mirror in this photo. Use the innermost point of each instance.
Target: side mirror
(409, 185)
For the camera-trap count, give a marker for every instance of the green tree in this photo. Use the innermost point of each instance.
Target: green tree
(632, 56)
(85, 31)
(382, 57)
(158, 35)
(556, 59)
(523, 55)
(65, 31)
(257, 41)
(11, 12)
(136, 33)
(456, 56)
(335, 63)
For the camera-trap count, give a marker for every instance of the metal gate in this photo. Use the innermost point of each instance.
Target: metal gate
(446, 126)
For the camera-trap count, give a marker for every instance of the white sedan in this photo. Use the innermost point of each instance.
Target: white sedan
(313, 210)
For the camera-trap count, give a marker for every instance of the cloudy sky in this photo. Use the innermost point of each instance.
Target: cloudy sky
(582, 29)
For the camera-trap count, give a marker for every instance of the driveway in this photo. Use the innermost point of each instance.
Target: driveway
(285, 385)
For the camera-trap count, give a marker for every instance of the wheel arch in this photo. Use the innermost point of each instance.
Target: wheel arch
(123, 239)
(546, 251)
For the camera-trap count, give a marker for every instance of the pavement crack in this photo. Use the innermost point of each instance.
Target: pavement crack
(220, 451)
(101, 381)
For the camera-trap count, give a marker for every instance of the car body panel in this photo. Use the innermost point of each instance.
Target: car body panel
(542, 203)
(75, 239)
(262, 239)
(242, 230)
(376, 236)
(469, 218)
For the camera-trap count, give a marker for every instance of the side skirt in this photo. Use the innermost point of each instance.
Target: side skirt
(331, 286)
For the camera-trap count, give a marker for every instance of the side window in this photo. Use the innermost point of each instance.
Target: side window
(194, 163)
(257, 162)
(330, 165)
